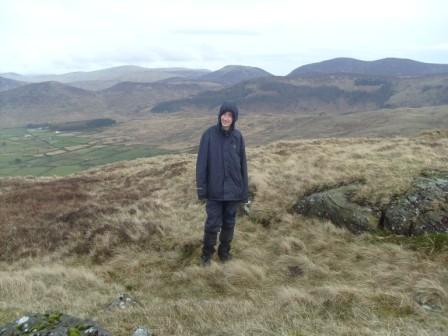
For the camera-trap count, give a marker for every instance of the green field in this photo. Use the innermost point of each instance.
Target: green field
(43, 153)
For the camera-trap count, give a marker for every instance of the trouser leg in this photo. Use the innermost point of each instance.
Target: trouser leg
(212, 226)
(227, 229)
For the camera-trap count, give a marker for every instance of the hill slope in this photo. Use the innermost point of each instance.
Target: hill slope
(49, 101)
(383, 67)
(55, 102)
(117, 74)
(317, 94)
(233, 74)
(137, 227)
(336, 93)
(8, 84)
(132, 99)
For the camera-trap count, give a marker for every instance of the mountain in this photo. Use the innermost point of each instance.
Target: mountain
(54, 101)
(106, 78)
(336, 93)
(322, 93)
(8, 84)
(382, 67)
(94, 85)
(305, 94)
(232, 74)
(49, 101)
(115, 74)
(130, 98)
(13, 75)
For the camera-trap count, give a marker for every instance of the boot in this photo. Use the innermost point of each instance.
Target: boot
(206, 260)
(225, 238)
(207, 254)
(208, 248)
(224, 252)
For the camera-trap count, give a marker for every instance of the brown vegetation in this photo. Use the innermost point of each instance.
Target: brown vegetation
(73, 243)
(181, 131)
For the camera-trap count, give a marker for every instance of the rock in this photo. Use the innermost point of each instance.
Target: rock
(424, 208)
(55, 324)
(142, 331)
(123, 301)
(335, 205)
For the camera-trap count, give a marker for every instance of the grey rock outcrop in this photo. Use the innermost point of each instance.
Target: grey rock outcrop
(424, 208)
(55, 324)
(335, 205)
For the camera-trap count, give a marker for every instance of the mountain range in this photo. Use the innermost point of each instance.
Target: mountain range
(335, 93)
(337, 86)
(120, 74)
(8, 84)
(382, 67)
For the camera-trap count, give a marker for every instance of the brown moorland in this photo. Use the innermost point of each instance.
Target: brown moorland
(72, 244)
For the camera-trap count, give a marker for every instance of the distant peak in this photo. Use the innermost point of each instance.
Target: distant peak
(390, 66)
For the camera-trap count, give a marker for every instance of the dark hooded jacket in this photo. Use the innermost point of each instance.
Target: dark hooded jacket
(221, 167)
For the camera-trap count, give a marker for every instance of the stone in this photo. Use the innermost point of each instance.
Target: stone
(423, 209)
(123, 301)
(55, 324)
(335, 205)
(142, 331)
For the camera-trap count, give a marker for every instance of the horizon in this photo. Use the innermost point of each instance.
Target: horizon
(211, 70)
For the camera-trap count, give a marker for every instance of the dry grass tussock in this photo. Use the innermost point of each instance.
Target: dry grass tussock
(72, 244)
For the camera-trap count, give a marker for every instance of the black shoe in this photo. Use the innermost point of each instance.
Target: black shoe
(224, 252)
(206, 260)
(225, 258)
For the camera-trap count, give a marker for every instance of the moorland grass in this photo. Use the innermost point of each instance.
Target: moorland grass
(72, 244)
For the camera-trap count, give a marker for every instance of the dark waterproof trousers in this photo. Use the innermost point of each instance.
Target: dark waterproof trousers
(220, 219)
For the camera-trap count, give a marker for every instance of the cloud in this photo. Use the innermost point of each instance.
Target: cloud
(63, 35)
(231, 32)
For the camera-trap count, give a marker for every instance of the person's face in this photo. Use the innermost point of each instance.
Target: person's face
(226, 119)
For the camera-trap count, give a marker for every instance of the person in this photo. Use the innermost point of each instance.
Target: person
(221, 180)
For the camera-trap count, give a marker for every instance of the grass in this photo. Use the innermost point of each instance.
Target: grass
(429, 243)
(45, 153)
(72, 244)
(181, 131)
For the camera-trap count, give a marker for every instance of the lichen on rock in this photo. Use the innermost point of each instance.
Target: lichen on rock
(55, 324)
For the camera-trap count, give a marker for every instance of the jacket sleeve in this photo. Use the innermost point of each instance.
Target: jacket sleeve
(202, 167)
(244, 171)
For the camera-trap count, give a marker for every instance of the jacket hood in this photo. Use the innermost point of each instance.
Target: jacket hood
(228, 107)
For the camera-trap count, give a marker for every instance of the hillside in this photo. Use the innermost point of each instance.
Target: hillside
(314, 99)
(130, 73)
(270, 109)
(132, 98)
(384, 67)
(233, 74)
(49, 101)
(136, 227)
(54, 101)
(8, 84)
(181, 131)
(335, 93)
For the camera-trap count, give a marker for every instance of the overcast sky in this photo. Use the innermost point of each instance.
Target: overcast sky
(57, 36)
